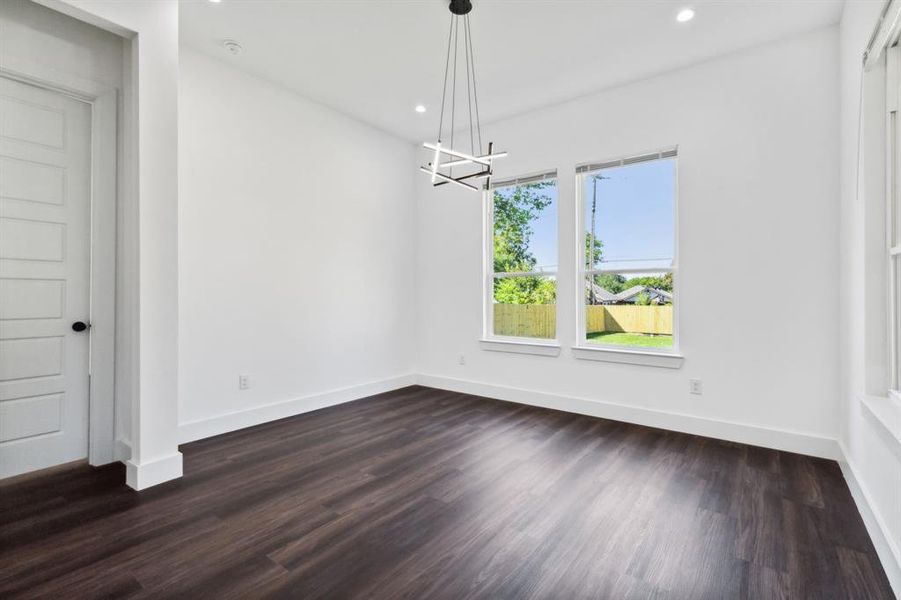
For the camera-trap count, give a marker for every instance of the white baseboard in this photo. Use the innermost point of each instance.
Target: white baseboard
(140, 476)
(755, 435)
(887, 549)
(197, 430)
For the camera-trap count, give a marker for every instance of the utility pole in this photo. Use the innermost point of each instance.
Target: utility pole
(589, 259)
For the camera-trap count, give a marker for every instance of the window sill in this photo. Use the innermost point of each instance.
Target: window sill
(521, 347)
(887, 411)
(667, 360)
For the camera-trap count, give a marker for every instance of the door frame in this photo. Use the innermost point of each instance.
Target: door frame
(103, 203)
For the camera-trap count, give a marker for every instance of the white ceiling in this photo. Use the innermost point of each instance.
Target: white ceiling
(376, 59)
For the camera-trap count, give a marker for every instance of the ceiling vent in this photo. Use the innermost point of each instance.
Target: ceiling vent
(232, 47)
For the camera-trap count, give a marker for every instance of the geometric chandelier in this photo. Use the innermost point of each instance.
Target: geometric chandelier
(449, 164)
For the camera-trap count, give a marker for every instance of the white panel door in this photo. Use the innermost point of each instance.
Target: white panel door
(45, 191)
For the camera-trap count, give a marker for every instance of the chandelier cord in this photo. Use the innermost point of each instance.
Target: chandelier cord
(454, 89)
(475, 93)
(466, 47)
(472, 95)
(444, 88)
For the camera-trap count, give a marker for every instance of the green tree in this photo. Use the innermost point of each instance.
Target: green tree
(612, 282)
(661, 282)
(514, 212)
(593, 258)
(525, 290)
(643, 299)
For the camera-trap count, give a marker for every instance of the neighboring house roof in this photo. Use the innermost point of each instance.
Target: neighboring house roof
(630, 293)
(605, 297)
(600, 293)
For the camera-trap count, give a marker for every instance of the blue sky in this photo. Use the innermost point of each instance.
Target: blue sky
(634, 213)
(634, 217)
(544, 240)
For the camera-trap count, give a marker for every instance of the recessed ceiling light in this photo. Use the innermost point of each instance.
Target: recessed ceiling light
(685, 15)
(215, 1)
(419, 108)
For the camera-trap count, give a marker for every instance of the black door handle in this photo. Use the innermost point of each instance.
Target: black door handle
(79, 326)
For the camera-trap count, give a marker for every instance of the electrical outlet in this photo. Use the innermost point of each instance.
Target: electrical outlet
(695, 386)
(461, 359)
(243, 382)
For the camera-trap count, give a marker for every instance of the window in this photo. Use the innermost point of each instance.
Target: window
(627, 253)
(521, 258)
(876, 310)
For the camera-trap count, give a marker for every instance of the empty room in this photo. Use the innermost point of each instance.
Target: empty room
(495, 299)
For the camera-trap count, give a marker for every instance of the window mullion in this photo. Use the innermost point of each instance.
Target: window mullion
(621, 271)
(509, 275)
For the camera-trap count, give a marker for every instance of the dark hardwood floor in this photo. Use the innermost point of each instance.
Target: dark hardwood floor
(421, 493)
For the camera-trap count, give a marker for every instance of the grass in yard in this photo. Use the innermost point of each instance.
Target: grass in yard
(631, 339)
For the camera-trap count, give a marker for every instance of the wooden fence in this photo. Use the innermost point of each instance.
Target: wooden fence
(526, 320)
(540, 320)
(630, 318)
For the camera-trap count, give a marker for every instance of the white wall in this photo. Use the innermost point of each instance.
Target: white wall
(296, 252)
(758, 201)
(66, 45)
(873, 457)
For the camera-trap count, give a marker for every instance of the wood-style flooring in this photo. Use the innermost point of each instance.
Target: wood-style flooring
(421, 493)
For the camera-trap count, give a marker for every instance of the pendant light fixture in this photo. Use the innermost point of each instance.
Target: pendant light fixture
(448, 163)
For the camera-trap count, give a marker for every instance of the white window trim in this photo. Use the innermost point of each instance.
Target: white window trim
(651, 357)
(496, 343)
(657, 357)
(519, 346)
(886, 411)
(884, 405)
(892, 206)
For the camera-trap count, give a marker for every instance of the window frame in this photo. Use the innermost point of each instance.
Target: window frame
(879, 168)
(488, 340)
(663, 357)
(892, 215)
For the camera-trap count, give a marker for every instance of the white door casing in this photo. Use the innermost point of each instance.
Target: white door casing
(45, 269)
